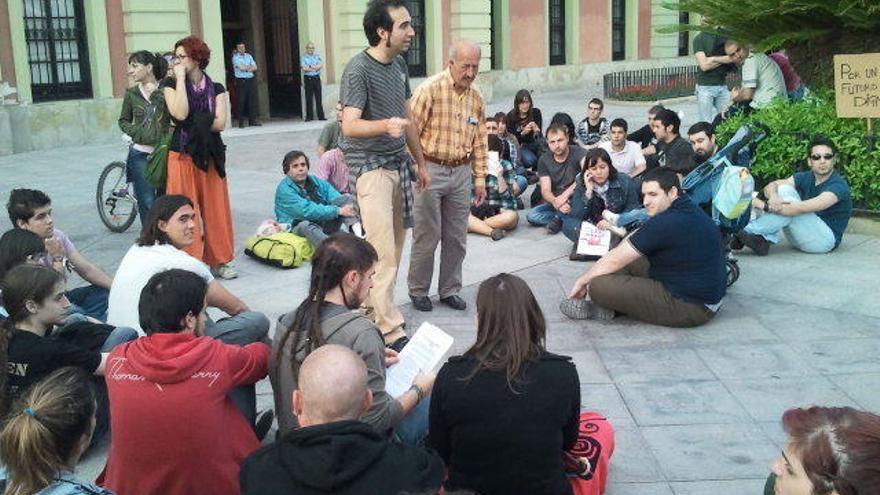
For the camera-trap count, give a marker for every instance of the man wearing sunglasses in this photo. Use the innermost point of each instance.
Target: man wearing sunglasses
(811, 207)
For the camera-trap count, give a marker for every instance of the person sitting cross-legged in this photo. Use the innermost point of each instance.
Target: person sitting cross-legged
(497, 214)
(812, 207)
(175, 430)
(312, 207)
(333, 451)
(670, 272)
(170, 228)
(31, 210)
(341, 278)
(557, 170)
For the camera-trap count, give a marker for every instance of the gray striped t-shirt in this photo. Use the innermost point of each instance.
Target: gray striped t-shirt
(381, 91)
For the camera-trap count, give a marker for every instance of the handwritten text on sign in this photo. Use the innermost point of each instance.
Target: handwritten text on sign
(857, 85)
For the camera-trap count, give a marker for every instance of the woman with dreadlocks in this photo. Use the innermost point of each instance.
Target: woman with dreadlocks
(342, 271)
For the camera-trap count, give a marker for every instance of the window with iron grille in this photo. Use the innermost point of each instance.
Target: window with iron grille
(618, 29)
(493, 36)
(55, 33)
(557, 32)
(416, 56)
(684, 37)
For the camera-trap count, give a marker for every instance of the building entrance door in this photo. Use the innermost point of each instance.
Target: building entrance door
(282, 58)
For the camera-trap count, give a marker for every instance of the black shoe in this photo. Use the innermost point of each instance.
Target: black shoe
(756, 243)
(398, 344)
(264, 423)
(254, 123)
(421, 303)
(241, 124)
(497, 234)
(454, 302)
(735, 244)
(554, 226)
(519, 204)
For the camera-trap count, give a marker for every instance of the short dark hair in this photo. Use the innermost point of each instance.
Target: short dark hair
(495, 143)
(656, 109)
(699, 127)
(596, 155)
(290, 157)
(168, 297)
(23, 202)
(163, 209)
(822, 140)
(500, 116)
(557, 127)
(378, 16)
(597, 101)
(15, 247)
(665, 177)
(669, 118)
(619, 123)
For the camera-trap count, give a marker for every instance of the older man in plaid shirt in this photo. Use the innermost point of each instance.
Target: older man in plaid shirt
(450, 115)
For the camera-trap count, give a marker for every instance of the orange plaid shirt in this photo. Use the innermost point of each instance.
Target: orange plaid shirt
(451, 124)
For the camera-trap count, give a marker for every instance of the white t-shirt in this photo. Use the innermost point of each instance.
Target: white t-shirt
(628, 159)
(139, 264)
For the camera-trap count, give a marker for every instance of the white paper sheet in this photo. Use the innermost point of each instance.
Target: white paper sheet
(423, 353)
(593, 240)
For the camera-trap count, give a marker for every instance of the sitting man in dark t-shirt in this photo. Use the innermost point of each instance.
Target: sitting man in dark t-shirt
(670, 272)
(673, 151)
(811, 207)
(557, 170)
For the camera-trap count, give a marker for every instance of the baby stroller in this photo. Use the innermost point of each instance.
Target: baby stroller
(724, 185)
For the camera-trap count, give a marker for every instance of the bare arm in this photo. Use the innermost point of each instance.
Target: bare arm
(706, 63)
(219, 297)
(354, 126)
(614, 260)
(103, 365)
(175, 98)
(89, 271)
(321, 150)
(546, 190)
(219, 114)
(412, 137)
(821, 202)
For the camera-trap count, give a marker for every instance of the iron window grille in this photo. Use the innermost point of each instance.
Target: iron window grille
(416, 56)
(557, 32)
(55, 34)
(618, 29)
(684, 41)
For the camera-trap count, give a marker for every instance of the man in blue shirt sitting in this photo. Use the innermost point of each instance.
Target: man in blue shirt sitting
(311, 65)
(811, 207)
(310, 205)
(245, 68)
(670, 272)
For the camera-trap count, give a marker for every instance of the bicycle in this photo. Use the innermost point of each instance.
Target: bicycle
(117, 206)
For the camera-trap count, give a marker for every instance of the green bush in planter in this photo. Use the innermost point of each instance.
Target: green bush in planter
(792, 125)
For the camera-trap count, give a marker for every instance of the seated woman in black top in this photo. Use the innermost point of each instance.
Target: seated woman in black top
(525, 123)
(502, 413)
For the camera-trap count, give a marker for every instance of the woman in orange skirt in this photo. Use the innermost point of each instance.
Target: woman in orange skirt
(197, 155)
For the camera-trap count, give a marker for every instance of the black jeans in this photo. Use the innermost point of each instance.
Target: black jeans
(313, 92)
(247, 99)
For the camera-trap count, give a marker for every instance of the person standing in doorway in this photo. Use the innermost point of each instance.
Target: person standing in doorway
(377, 129)
(245, 68)
(450, 115)
(311, 64)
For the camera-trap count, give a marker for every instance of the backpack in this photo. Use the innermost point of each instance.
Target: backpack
(282, 250)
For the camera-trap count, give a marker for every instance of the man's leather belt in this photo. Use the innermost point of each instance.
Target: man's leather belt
(449, 163)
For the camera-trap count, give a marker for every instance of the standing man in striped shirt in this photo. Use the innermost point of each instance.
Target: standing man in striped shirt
(377, 128)
(450, 116)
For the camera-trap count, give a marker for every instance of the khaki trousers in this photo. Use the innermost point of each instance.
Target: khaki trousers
(440, 216)
(380, 199)
(631, 292)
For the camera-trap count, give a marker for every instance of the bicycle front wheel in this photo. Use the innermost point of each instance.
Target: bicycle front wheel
(115, 201)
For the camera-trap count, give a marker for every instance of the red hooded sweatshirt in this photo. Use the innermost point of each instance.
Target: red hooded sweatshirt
(174, 429)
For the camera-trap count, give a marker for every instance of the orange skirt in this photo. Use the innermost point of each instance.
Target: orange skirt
(214, 241)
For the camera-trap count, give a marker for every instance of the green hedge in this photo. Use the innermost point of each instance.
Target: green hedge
(792, 125)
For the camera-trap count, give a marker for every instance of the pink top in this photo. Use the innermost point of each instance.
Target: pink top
(792, 79)
(333, 169)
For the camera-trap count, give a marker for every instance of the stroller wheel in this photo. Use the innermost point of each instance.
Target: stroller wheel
(732, 271)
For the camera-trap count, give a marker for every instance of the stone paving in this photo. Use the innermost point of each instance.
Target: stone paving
(695, 411)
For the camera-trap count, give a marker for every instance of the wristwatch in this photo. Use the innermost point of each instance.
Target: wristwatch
(418, 390)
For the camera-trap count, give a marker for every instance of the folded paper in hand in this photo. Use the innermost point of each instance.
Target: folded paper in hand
(422, 354)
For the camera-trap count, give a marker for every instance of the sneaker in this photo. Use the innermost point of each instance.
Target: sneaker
(554, 225)
(581, 309)
(618, 231)
(264, 423)
(497, 234)
(225, 272)
(756, 243)
(610, 217)
(358, 230)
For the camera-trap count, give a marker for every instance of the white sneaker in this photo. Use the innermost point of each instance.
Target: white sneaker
(610, 217)
(619, 231)
(225, 272)
(358, 230)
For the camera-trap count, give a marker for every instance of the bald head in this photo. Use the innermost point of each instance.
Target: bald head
(332, 386)
(464, 62)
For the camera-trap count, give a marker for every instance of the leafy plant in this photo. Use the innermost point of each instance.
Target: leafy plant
(792, 125)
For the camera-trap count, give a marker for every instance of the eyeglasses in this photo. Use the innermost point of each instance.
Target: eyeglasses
(827, 156)
(178, 58)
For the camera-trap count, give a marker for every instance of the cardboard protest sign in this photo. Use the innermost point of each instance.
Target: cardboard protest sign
(857, 85)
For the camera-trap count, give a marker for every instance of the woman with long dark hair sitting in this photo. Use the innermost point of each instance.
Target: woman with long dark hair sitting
(46, 433)
(502, 413)
(525, 122)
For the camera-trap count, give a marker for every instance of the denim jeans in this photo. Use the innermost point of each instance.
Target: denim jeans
(711, 100)
(806, 232)
(413, 428)
(523, 183)
(316, 232)
(242, 329)
(529, 154)
(144, 192)
(633, 218)
(541, 215)
(89, 300)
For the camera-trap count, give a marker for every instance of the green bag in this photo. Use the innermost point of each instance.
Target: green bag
(283, 250)
(156, 172)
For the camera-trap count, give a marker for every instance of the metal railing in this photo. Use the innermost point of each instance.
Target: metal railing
(655, 84)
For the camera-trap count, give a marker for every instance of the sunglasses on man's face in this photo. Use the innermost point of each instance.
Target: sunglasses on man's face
(827, 156)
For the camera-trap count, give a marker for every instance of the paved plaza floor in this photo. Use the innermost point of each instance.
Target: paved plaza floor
(695, 411)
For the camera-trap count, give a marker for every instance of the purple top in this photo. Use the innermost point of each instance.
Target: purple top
(333, 169)
(792, 79)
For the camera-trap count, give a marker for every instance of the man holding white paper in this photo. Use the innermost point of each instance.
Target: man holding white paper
(342, 271)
